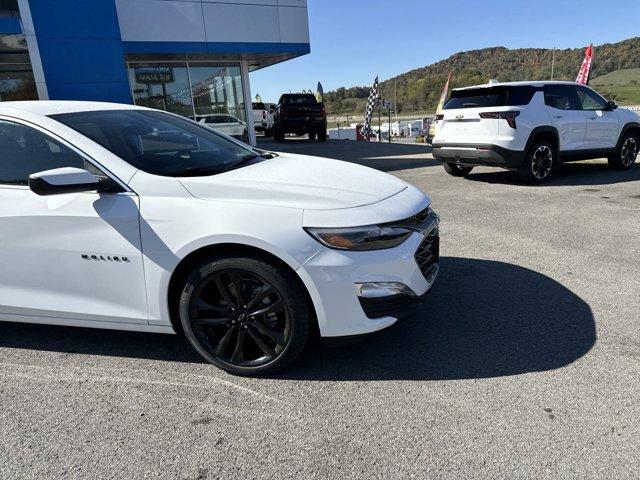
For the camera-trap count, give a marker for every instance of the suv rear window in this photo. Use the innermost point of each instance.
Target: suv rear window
(490, 97)
(298, 98)
(259, 106)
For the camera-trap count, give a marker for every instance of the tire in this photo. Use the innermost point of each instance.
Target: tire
(456, 170)
(259, 331)
(312, 135)
(278, 135)
(322, 135)
(539, 163)
(268, 133)
(626, 153)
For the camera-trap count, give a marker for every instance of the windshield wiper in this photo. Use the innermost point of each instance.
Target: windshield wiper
(265, 153)
(210, 170)
(198, 171)
(244, 160)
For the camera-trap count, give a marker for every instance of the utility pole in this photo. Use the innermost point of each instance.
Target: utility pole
(553, 61)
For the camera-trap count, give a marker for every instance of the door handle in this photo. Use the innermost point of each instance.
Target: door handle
(557, 116)
(593, 118)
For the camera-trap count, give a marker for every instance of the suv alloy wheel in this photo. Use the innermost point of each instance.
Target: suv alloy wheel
(539, 163)
(626, 154)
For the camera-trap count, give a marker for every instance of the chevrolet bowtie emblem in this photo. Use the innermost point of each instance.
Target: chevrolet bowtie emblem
(459, 116)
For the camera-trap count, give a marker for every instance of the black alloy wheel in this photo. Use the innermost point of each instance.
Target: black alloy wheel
(245, 315)
(627, 152)
(539, 164)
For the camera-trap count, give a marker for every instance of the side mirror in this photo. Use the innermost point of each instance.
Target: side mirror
(65, 180)
(611, 105)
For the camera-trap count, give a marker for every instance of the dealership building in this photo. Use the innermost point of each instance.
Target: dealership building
(191, 57)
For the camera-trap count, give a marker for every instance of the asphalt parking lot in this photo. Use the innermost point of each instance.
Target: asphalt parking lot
(525, 362)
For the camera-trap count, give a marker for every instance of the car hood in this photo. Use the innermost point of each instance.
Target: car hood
(298, 181)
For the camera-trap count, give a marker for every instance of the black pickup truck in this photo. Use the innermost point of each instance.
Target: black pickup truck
(300, 113)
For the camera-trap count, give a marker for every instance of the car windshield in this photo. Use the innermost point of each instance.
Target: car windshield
(160, 143)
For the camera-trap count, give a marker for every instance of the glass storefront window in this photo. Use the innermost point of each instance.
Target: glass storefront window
(16, 75)
(9, 8)
(200, 90)
(162, 86)
(217, 89)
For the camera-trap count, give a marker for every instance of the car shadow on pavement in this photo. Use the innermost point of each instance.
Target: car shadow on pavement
(567, 174)
(483, 319)
(89, 341)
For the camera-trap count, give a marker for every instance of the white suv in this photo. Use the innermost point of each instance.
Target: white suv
(122, 217)
(530, 127)
(262, 119)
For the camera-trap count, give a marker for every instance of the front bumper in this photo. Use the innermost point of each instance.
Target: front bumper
(334, 274)
(477, 154)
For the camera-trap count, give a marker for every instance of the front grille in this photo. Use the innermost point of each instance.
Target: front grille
(420, 217)
(414, 222)
(428, 254)
(397, 306)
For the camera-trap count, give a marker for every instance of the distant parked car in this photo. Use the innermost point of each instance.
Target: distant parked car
(300, 113)
(227, 124)
(262, 119)
(531, 127)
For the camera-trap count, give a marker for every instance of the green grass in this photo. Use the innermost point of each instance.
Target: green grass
(622, 85)
(619, 77)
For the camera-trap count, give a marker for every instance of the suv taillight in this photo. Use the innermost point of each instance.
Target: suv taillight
(510, 117)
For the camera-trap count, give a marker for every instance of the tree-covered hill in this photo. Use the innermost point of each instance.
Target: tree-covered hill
(418, 90)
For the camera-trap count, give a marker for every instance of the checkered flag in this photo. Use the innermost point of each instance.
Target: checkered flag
(373, 98)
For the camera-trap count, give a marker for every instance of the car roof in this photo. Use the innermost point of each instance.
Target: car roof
(534, 83)
(52, 107)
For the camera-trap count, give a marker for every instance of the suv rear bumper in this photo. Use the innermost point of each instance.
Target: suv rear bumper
(477, 154)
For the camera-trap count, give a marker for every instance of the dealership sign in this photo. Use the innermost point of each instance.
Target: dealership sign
(154, 75)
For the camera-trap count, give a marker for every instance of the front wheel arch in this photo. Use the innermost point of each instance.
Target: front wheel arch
(183, 269)
(632, 127)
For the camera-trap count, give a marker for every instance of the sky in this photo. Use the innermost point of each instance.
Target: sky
(352, 41)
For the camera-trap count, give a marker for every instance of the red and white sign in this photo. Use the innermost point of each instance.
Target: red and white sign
(585, 69)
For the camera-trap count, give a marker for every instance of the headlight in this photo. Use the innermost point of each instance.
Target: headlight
(370, 237)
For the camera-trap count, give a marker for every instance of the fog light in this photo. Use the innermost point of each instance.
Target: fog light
(382, 289)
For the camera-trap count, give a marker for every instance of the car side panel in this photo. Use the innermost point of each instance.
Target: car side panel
(603, 129)
(72, 256)
(171, 228)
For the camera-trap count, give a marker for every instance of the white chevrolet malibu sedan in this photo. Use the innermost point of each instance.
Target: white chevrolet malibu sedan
(120, 217)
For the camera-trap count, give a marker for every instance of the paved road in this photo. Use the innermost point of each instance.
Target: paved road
(524, 364)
